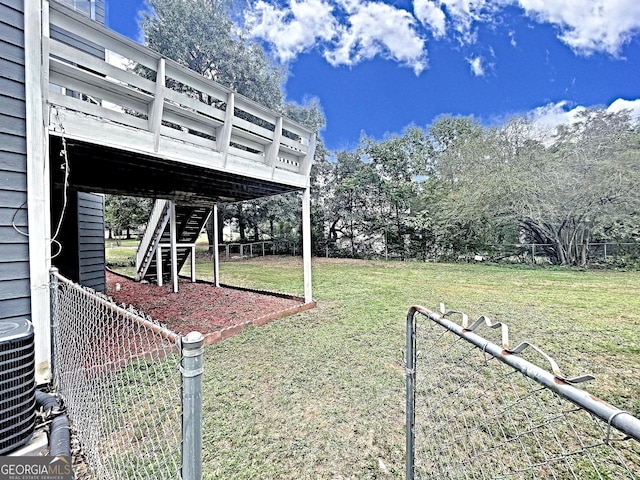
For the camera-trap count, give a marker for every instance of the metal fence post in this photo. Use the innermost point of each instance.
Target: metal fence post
(192, 369)
(53, 318)
(411, 396)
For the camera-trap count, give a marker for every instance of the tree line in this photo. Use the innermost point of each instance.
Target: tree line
(456, 187)
(439, 192)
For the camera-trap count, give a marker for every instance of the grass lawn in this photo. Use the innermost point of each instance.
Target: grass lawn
(321, 394)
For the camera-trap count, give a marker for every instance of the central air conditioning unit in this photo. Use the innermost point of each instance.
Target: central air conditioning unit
(17, 384)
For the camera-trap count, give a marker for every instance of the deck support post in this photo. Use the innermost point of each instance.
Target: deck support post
(155, 116)
(193, 263)
(225, 135)
(216, 242)
(306, 243)
(174, 249)
(159, 264)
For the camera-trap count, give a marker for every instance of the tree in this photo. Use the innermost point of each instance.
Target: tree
(589, 185)
(399, 161)
(349, 188)
(201, 35)
(450, 197)
(500, 183)
(124, 213)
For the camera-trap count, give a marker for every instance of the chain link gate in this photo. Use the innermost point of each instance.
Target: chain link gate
(476, 409)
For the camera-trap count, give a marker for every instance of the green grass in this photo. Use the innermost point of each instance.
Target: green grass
(121, 255)
(321, 394)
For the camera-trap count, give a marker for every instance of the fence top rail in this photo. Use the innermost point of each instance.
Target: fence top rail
(135, 316)
(259, 242)
(593, 244)
(554, 380)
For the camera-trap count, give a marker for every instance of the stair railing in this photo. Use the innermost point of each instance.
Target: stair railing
(148, 244)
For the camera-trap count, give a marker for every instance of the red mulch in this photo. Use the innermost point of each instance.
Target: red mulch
(216, 312)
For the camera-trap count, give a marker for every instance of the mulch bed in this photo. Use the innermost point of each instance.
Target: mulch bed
(216, 312)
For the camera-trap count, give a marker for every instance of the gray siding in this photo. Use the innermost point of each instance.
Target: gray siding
(91, 241)
(15, 290)
(100, 14)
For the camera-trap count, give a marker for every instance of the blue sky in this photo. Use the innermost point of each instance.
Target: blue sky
(379, 66)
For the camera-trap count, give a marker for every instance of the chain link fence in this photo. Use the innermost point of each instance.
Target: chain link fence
(616, 254)
(476, 409)
(131, 387)
(596, 253)
(240, 251)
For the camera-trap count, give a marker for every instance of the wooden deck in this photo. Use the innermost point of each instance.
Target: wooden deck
(170, 113)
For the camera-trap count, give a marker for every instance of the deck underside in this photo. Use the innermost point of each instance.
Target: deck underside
(101, 169)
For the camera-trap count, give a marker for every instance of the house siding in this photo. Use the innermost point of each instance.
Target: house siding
(79, 248)
(15, 289)
(91, 256)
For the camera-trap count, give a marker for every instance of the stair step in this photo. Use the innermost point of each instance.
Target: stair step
(189, 223)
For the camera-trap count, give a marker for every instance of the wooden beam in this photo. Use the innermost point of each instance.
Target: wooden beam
(305, 164)
(159, 265)
(306, 244)
(216, 243)
(225, 134)
(157, 106)
(35, 38)
(174, 250)
(274, 147)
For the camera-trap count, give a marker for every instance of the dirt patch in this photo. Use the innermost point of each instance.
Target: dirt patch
(216, 312)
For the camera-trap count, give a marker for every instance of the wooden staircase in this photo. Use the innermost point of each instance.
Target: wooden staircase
(189, 223)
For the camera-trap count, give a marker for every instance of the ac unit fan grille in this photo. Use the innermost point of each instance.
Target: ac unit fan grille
(17, 384)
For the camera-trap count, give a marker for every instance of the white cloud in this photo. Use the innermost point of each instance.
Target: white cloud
(552, 115)
(463, 13)
(586, 26)
(477, 66)
(294, 29)
(347, 31)
(589, 26)
(376, 28)
(622, 104)
(549, 117)
(431, 16)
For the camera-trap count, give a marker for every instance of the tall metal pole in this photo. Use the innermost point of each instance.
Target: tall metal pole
(192, 369)
(411, 395)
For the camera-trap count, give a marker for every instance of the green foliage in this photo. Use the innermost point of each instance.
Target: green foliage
(457, 189)
(201, 35)
(276, 217)
(446, 191)
(123, 213)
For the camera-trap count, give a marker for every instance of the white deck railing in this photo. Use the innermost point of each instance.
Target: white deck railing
(170, 102)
